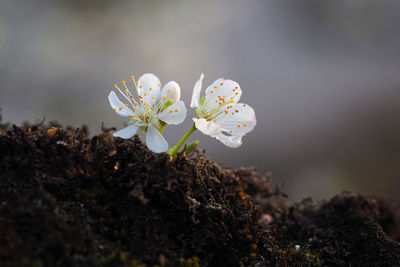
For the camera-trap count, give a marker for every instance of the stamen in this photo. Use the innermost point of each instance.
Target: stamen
(221, 84)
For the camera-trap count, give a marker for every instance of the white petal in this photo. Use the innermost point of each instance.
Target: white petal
(220, 92)
(174, 114)
(241, 119)
(118, 106)
(148, 88)
(196, 93)
(233, 141)
(207, 127)
(155, 141)
(127, 132)
(171, 91)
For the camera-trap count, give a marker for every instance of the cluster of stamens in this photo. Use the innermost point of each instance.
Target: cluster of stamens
(144, 111)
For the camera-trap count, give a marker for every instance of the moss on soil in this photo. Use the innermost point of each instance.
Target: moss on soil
(70, 200)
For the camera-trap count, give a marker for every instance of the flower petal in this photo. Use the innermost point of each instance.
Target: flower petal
(127, 132)
(220, 92)
(207, 127)
(196, 93)
(233, 141)
(239, 120)
(148, 88)
(171, 91)
(118, 106)
(155, 141)
(174, 114)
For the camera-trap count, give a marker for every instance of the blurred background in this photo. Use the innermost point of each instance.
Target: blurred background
(323, 77)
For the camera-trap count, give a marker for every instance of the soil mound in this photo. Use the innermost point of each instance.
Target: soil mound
(70, 200)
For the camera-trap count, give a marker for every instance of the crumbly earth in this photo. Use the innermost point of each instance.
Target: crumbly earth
(70, 200)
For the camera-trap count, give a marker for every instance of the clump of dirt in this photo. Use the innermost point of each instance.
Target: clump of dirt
(70, 200)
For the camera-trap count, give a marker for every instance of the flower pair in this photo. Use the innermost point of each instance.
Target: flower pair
(218, 113)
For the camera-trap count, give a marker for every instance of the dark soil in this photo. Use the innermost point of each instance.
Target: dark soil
(70, 200)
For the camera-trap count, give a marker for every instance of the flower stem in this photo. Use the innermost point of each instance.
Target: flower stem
(183, 140)
(161, 129)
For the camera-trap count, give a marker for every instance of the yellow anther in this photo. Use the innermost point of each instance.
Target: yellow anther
(169, 91)
(151, 88)
(115, 110)
(126, 91)
(141, 101)
(160, 84)
(216, 101)
(115, 86)
(137, 125)
(135, 108)
(132, 77)
(140, 86)
(123, 82)
(176, 110)
(215, 87)
(137, 82)
(244, 124)
(131, 96)
(226, 112)
(236, 87)
(212, 92)
(221, 84)
(152, 97)
(236, 110)
(238, 125)
(131, 116)
(230, 131)
(236, 93)
(164, 98)
(145, 94)
(126, 105)
(120, 108)
(136, 103)
(170, 111)
(244, 105)
(141, 97)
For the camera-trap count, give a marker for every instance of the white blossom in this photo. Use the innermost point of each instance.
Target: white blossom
(220, 115)
(154, 106)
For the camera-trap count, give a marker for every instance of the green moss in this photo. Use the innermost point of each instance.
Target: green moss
(194, 261)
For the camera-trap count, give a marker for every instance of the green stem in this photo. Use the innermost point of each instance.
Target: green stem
(183, 140)
(161, 129)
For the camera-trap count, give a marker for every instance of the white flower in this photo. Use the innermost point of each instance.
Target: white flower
(220, 115)
(153, 108)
